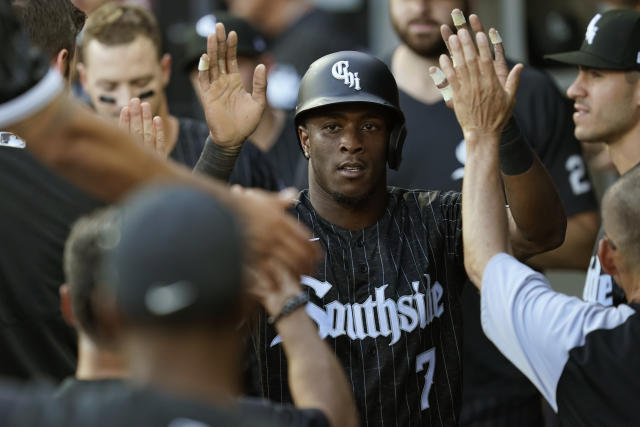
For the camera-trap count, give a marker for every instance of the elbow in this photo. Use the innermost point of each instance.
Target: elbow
(555, 234)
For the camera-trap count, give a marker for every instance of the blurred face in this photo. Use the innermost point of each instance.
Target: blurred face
(348, 151)
(112, 75)
(607, 105)
(251, 10)
(417, 23)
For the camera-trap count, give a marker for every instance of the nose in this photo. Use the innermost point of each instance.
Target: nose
(123, 96)
(351, 141)
(576, 90)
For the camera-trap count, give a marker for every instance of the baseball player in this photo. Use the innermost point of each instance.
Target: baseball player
(582, 356)
(386, 295)
(607, 110)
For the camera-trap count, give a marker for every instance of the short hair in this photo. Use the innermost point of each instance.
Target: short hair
(115, 24)
(52, 25)
(621, 216)
(83, 255)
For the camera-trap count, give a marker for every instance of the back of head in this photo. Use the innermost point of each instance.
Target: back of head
(82, 260)
(52, 25)
(621, 216)
(353, 77)
(115, 24)
(174, 257)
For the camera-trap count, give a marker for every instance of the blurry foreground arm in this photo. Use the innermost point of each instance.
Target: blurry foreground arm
(316, 378)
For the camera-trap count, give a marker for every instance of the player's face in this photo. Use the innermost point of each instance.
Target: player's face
(251, 10)
(348, 151)
(417, 23)
(607, 105)
(112, 75)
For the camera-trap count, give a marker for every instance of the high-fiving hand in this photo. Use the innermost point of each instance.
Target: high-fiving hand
(137, 120)
(231, 112)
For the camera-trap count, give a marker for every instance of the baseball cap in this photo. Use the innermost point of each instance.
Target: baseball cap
(173, 253)
(612, 42)
(250, 41)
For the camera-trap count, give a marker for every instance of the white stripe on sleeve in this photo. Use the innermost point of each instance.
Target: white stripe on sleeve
(534, 326)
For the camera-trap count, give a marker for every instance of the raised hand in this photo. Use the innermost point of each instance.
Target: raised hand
(137, 120)
(231, 112)
(482, 103)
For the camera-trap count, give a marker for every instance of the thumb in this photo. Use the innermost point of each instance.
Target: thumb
(513, 80)
(260, 85)
(289, 196)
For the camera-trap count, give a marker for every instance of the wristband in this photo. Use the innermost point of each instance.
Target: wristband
(516, 155)
(217, 161)
(290, 305)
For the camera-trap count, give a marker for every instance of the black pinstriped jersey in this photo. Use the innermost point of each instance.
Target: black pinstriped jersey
(386, 299)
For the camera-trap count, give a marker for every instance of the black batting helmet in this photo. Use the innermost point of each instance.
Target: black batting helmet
(347, 77)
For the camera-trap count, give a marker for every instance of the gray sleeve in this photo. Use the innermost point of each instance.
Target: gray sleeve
(286, 415)
(216, 161)
(534, 326)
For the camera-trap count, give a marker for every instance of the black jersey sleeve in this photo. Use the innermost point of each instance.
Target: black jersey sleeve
(285, 414)
(544, 116)
(451, 226)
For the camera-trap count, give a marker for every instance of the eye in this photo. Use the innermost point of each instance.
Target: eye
(141, 82)
(331, 127)
(595, 74)
(108, 87)
(372, 126)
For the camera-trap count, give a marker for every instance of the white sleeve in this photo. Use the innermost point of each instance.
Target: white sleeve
(534, 326)
(33, 100)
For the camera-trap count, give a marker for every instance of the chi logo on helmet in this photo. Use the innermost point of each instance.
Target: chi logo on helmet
(340, 71)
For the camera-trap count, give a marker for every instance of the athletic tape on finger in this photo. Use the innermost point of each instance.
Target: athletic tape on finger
(203, 65)
(439, 78)
(458, 18)
(494, 36)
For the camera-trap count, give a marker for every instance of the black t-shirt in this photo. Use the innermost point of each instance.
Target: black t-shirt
(286, 158)
(251, 170)
(386, 299)
(434, 156)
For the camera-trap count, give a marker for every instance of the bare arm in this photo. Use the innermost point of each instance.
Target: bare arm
(316, 378)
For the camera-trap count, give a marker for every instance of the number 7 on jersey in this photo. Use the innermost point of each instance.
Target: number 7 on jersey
(427, 358)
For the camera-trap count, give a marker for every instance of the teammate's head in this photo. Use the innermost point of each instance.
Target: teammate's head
(53, 26)
(417, 23)
(82, 260)
(251, 49)
(349, 124)
(121, 58)
(619, 250)
(607, 89)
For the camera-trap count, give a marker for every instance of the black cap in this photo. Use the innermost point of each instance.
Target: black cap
(612, 42)
(250, 42)
(173, 253)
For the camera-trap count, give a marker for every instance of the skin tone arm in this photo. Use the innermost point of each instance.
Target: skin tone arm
(316, 378)
(536, 217)
(483, 107)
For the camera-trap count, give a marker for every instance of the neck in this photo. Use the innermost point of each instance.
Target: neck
(188, 362)
(275, 24)
(350, 217)
(412, 74)
(625, 152)
(96, 363)
(269, 128)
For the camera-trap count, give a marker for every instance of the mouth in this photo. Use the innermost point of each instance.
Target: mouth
(423, 26)
(580, 111)
(351, 169)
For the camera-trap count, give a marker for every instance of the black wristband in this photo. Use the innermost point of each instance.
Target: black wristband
(290, 305)
(516, 156)
(217, 161)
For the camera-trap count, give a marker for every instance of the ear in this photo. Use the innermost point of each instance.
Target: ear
(303, 136)
(607, 257)
(65, 304)
(165, 63)
(108, 316)
(61, 61)
(82, 73)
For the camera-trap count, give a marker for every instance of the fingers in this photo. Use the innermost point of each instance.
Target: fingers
(125, 119)
(204, 79)
(458, 19)
(221, 38)
(260, 85)
(475, 23)
(135, 111)
(212, 51)
(232, 56)
(485, 63)
(446, 32)
(160, 140)
(513, 80)
(500, 61)
(457, 56)
(147, 126)
(470, 54)
(440, 80)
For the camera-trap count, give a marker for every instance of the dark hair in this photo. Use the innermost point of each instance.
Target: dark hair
(52, 25)
(83, 254)
(115, 24)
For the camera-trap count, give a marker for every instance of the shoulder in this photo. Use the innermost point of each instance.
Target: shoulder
(283, 414)
(424, 199)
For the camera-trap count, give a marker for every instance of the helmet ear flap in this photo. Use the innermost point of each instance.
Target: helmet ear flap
(396, 140)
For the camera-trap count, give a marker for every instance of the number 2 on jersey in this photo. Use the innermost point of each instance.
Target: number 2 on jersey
(427, 358)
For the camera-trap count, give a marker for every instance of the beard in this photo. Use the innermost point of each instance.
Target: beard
(427, 48)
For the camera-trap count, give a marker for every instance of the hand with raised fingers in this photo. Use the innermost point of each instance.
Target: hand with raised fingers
(231, 112)
(499, 60)
(482, 103)
(274, 286)
(137, 120)
(274, 235)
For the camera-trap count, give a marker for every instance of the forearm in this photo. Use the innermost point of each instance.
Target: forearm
(316, 378)
(576, 251)
(216, 161)
(484, 216)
